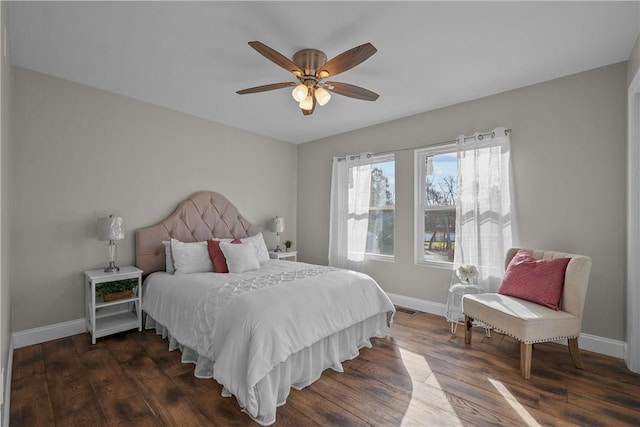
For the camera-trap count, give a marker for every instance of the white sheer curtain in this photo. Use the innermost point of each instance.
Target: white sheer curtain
(485, 220)
(349, 211)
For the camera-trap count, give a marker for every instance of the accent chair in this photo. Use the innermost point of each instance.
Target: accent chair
(530, 322)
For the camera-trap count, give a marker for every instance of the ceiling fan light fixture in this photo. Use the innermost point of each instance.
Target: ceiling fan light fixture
(307, 103)
(310, 66)
(322, 95)
(300, 92)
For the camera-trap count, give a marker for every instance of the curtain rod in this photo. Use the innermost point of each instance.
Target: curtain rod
(437, 144)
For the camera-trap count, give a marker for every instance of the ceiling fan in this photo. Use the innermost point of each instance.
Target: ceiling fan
(311, 67)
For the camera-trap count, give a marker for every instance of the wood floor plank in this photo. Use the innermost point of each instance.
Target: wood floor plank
(419, 376)
(30, 402)
(475, 358)
(206, 395)
(611, 413)
(357, 403)
(324, 411)
(413, 411)
(158, 351)
(433, 394)
(88, 416)
(126, 346)
(120, 403)
(162, 395)
(28, 362)
(69, 387)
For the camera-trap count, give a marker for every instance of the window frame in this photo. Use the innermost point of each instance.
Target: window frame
(420, 156)
(381, 158)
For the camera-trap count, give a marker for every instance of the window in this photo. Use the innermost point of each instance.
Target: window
(361, 213)
(380, 241)
(437, 193)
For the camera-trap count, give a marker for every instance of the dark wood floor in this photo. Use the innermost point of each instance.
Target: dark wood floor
(421, 376)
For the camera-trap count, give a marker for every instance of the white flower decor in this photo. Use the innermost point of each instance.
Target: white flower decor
(467, 273)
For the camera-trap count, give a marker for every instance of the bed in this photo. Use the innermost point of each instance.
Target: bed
(260, 332)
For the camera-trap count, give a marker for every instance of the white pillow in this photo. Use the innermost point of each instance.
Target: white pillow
(260, 247)
(190, 257)
(240, 257)
(168, 257)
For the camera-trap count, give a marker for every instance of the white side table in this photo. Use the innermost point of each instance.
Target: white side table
(291, 255)
(454, 303)
(106, 318)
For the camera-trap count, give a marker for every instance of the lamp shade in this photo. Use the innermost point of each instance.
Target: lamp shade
(111, 228)
(322, 96)
(307, 104)
(278, 225)
(300, 92)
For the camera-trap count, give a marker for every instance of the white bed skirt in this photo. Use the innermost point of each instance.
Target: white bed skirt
(298, 371)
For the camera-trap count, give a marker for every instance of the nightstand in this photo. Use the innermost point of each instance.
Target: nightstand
(106, 318)
(291, 255)
(454, 314)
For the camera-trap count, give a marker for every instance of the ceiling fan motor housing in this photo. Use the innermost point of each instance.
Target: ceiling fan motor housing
(309, 60)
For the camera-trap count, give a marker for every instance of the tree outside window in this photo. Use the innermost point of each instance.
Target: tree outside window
(380, 236)
(437, 174)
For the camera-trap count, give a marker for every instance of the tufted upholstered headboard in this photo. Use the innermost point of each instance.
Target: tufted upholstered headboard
(203, 216)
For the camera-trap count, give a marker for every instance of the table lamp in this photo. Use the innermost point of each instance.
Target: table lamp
(111, 228)
(277, 226)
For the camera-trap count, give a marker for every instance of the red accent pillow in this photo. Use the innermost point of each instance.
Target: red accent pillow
(217, 257)
(539, 281)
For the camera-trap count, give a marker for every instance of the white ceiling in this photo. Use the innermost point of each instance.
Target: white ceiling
(193, 56)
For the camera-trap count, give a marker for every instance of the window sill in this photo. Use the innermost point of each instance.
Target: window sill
(436, 264)
(385, 258)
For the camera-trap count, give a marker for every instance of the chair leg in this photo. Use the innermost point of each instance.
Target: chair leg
(525, 360)
(574, 351)
(468, 322)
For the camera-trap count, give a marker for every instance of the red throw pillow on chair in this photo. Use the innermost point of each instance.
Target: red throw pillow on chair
(217, 257)
(539, 281)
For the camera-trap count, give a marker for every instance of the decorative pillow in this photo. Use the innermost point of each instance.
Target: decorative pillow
(539, 281)
(240, 258)
(216, 255)
(190, 257)
(168, 257)
(260, 247)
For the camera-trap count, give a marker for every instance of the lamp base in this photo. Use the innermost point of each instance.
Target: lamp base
(277, 249)
(111, 268)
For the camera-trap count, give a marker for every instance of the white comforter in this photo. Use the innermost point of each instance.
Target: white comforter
(249, 323)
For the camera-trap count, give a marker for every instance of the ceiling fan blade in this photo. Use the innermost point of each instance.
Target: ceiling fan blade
(346, 60)
(264, 88)
(276, 57)
(351, 91)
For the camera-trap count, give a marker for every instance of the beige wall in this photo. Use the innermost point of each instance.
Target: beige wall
(569, 160)
(81, 153)
(634, 61)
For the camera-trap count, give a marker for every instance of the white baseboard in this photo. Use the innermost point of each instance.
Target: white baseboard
(6, 403)
(418, 304)
(586, 342)
(606, 346)
(48, 333)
